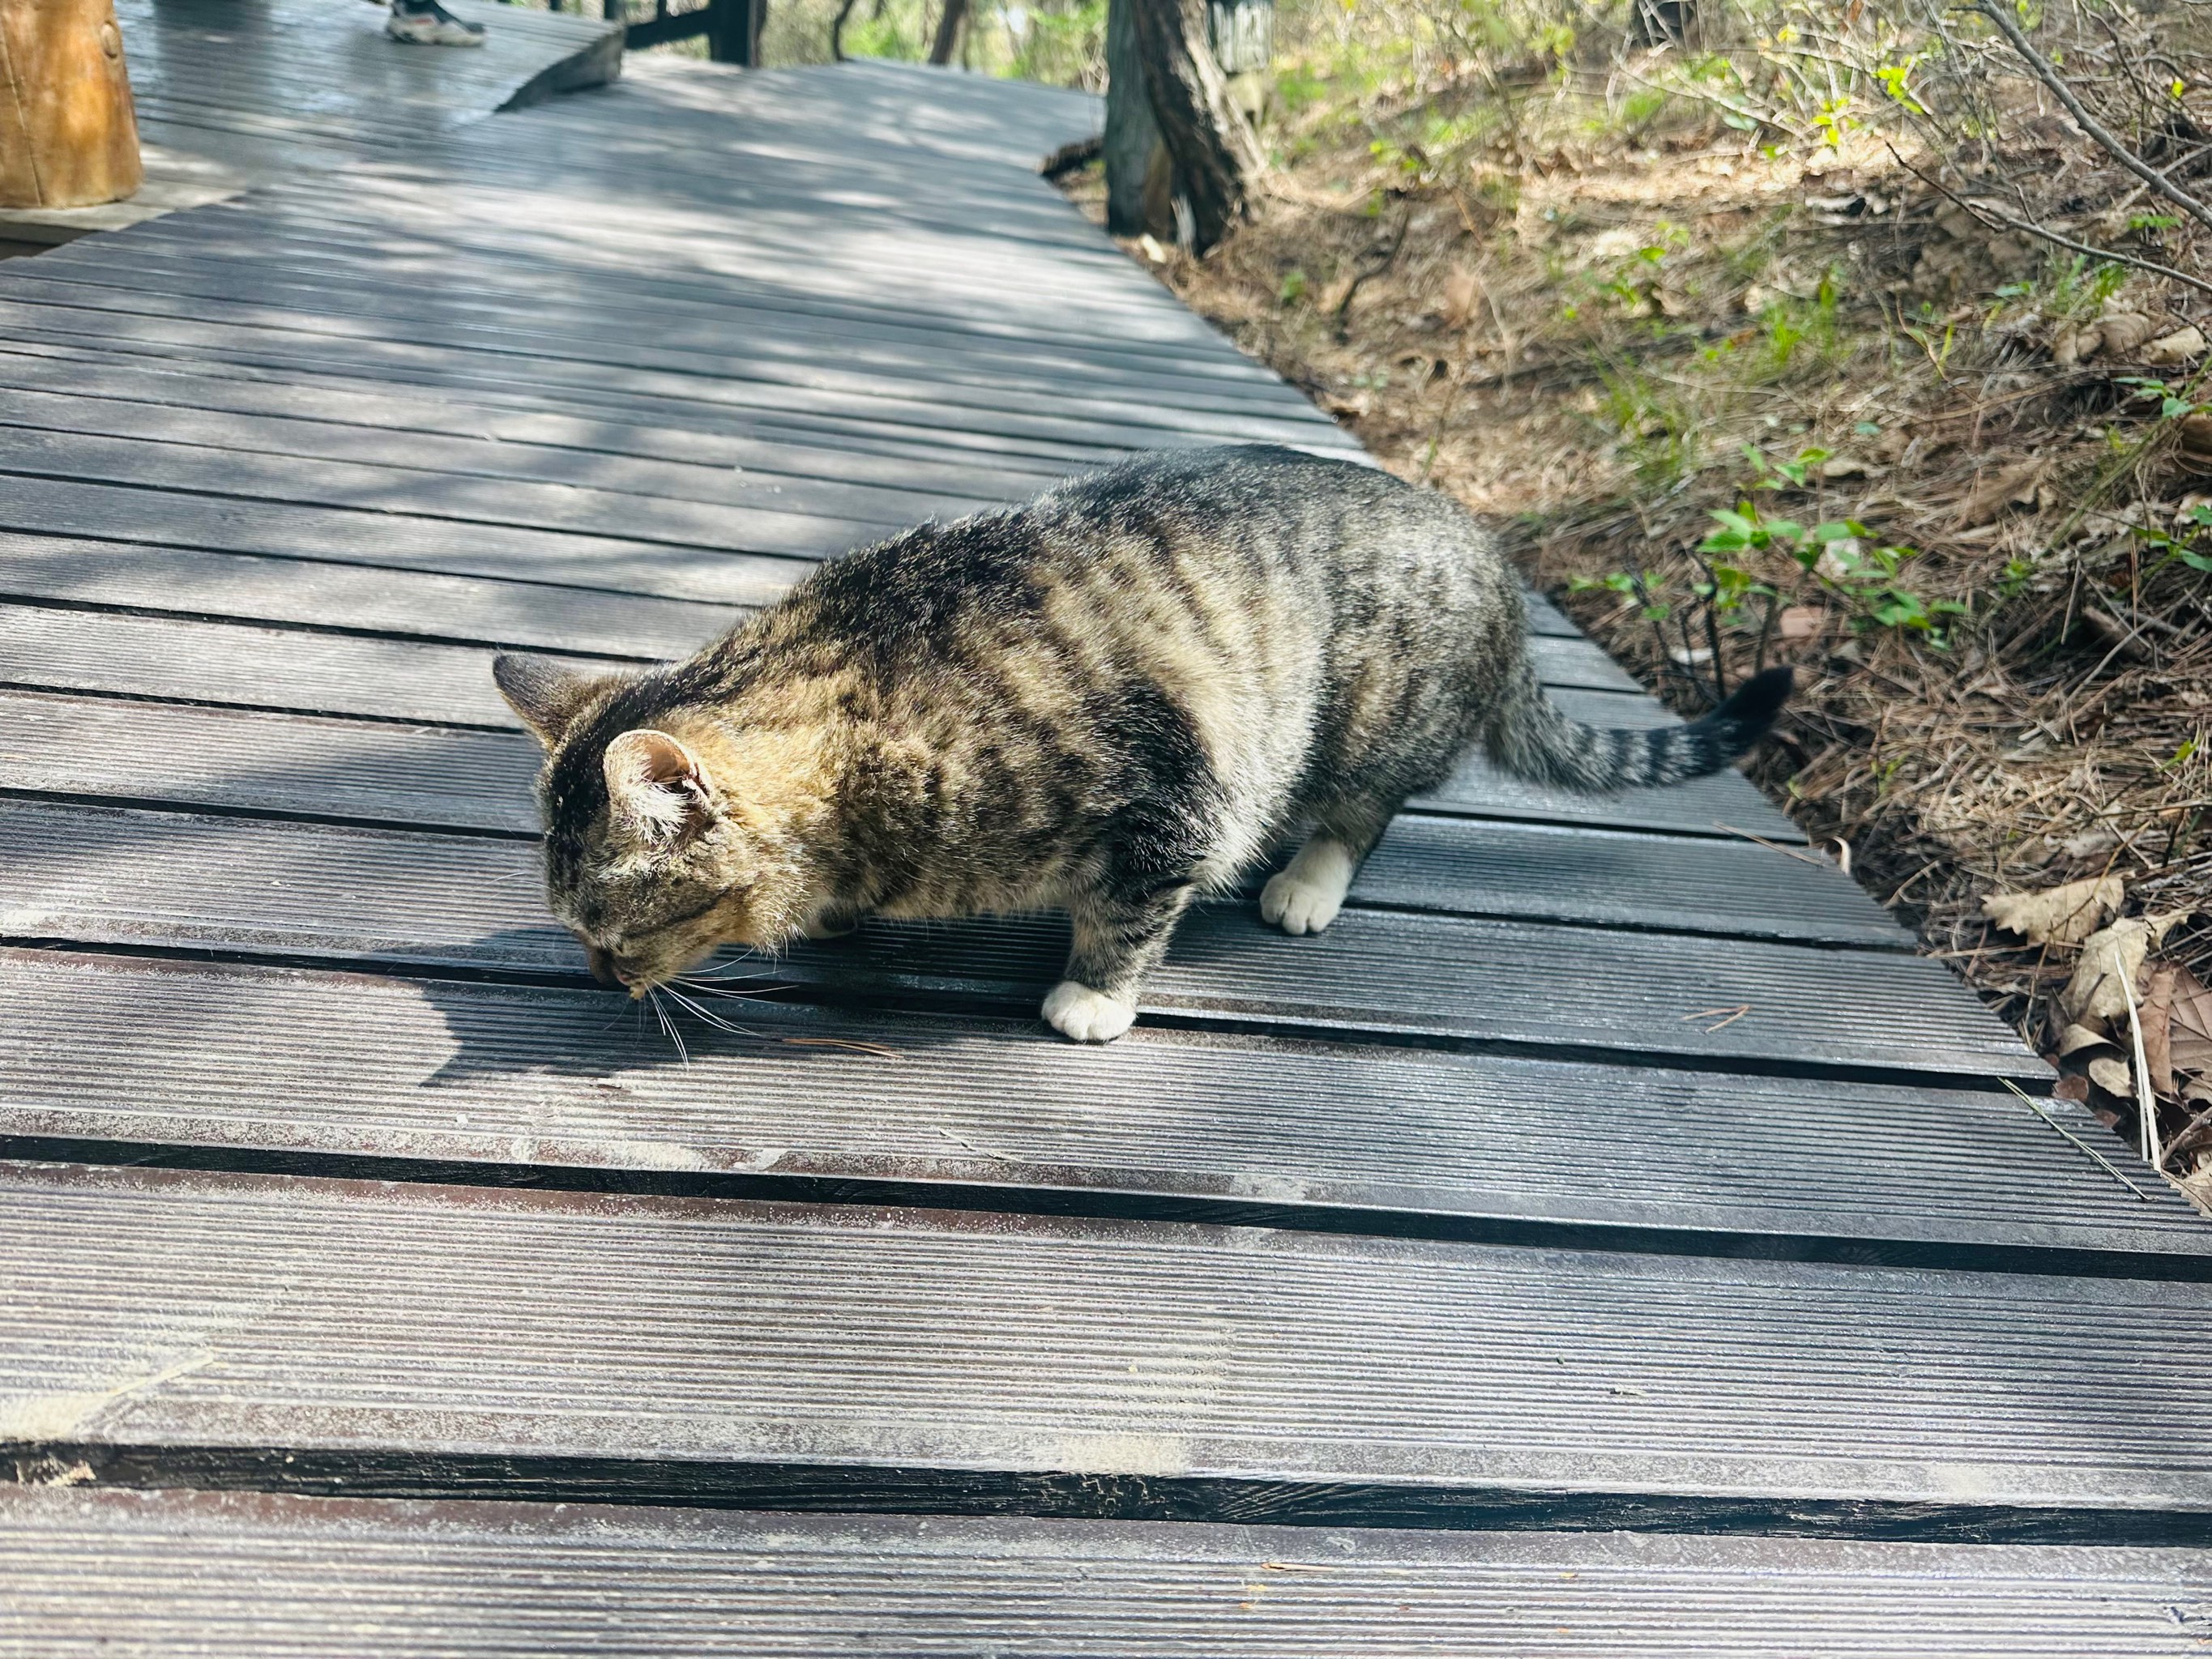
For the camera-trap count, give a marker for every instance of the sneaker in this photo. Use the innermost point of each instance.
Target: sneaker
(427, 23)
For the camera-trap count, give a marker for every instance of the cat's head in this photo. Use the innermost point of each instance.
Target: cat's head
(667, 835)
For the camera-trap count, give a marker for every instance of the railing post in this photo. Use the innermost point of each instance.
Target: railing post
(69, 137)
(733, 31)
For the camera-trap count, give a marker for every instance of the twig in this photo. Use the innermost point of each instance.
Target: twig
(1983, 213)
(2127, 158)
(1771, 845)
(2105, 1163)
(2146, 1102)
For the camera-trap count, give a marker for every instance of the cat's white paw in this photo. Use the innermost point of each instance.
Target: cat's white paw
(1075, 1011)
(1306, 897)
(1299, 907)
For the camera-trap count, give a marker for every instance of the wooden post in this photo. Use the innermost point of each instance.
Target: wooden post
(733, 31)
(69, 137)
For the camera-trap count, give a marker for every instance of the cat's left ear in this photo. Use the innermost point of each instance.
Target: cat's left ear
(655, 784)
(546, 694)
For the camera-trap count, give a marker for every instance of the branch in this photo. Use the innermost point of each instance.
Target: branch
(1984, 213)
(2127, 158)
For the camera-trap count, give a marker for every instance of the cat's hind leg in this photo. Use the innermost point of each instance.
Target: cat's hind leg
(1305, 894)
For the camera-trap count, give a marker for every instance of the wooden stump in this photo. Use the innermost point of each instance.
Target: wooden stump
(69, 137)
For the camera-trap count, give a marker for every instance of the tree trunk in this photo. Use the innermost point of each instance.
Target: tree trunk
(948, 31)
(1216, 154)
(68, 134)
(1132, 134)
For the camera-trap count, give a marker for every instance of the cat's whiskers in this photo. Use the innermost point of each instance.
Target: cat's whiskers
(708, 1015)
(668, 1025)
(754, 995)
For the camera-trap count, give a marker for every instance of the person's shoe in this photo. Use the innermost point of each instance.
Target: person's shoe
(427, 23)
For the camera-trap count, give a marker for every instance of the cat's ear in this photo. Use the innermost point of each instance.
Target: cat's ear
(546, 694)
(655, 784)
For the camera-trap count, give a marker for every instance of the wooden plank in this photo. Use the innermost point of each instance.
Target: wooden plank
(373, 775)
(502, 305)
(672, 399)
(583, 441)
(1574, 660)
(563, 485)
(65, 507)
(633, 522)
(101, 1574)
(1066, 420)
(1015, 473)
(1001, 1115)
(452, 777)
(334, 74)
(335, 768)
(408, 603)
(194, 661)
(239, 1324)
(324, 891)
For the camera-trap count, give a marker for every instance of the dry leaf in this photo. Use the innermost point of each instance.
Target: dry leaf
(2094, 992)
(2075, 1088)
(2058, 915)
(2111, 1073)
(1996, 490)
(2189, 1027)
(2196, 432)
(1844, 466)
(1800, 621)
(2122, 331)
(2074, 1038)
(2184, 345)
(1462, 292)
(2154, 1015)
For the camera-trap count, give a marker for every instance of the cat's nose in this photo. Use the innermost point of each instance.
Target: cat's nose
(603, 965)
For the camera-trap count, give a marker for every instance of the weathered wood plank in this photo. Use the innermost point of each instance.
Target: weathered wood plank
(992, 1113)
(721, 1348)
(101, 1574)
(418, 603)
(76, 428)
(67, 507)
(206, 661)
(583, 443)
(324, 891)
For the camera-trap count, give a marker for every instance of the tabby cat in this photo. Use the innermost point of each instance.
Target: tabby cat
(1113, 700)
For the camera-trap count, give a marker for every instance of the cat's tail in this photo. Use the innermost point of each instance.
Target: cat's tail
(1532, 738)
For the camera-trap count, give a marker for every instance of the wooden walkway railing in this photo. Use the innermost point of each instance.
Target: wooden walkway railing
(1610, 1238)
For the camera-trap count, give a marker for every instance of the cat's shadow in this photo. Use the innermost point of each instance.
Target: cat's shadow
(882, 988)
(899, 987)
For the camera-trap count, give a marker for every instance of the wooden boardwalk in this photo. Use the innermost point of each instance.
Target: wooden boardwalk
(1609, 1238)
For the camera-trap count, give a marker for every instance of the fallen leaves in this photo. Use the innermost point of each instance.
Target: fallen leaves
(2112, 959)
(1996, 490)
(2057, 916)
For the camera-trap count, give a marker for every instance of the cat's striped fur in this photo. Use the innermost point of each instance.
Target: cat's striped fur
(1112, 700)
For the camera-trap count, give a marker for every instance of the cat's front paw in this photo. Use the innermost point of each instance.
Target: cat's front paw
(1299, 906)
(1075, 1011)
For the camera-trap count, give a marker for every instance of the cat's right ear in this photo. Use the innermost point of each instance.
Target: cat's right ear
(546, 694)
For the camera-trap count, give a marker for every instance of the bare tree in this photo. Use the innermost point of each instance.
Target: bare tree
(948, 31)
(1215, 154)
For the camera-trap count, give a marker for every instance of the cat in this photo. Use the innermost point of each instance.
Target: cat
(1113, 700)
